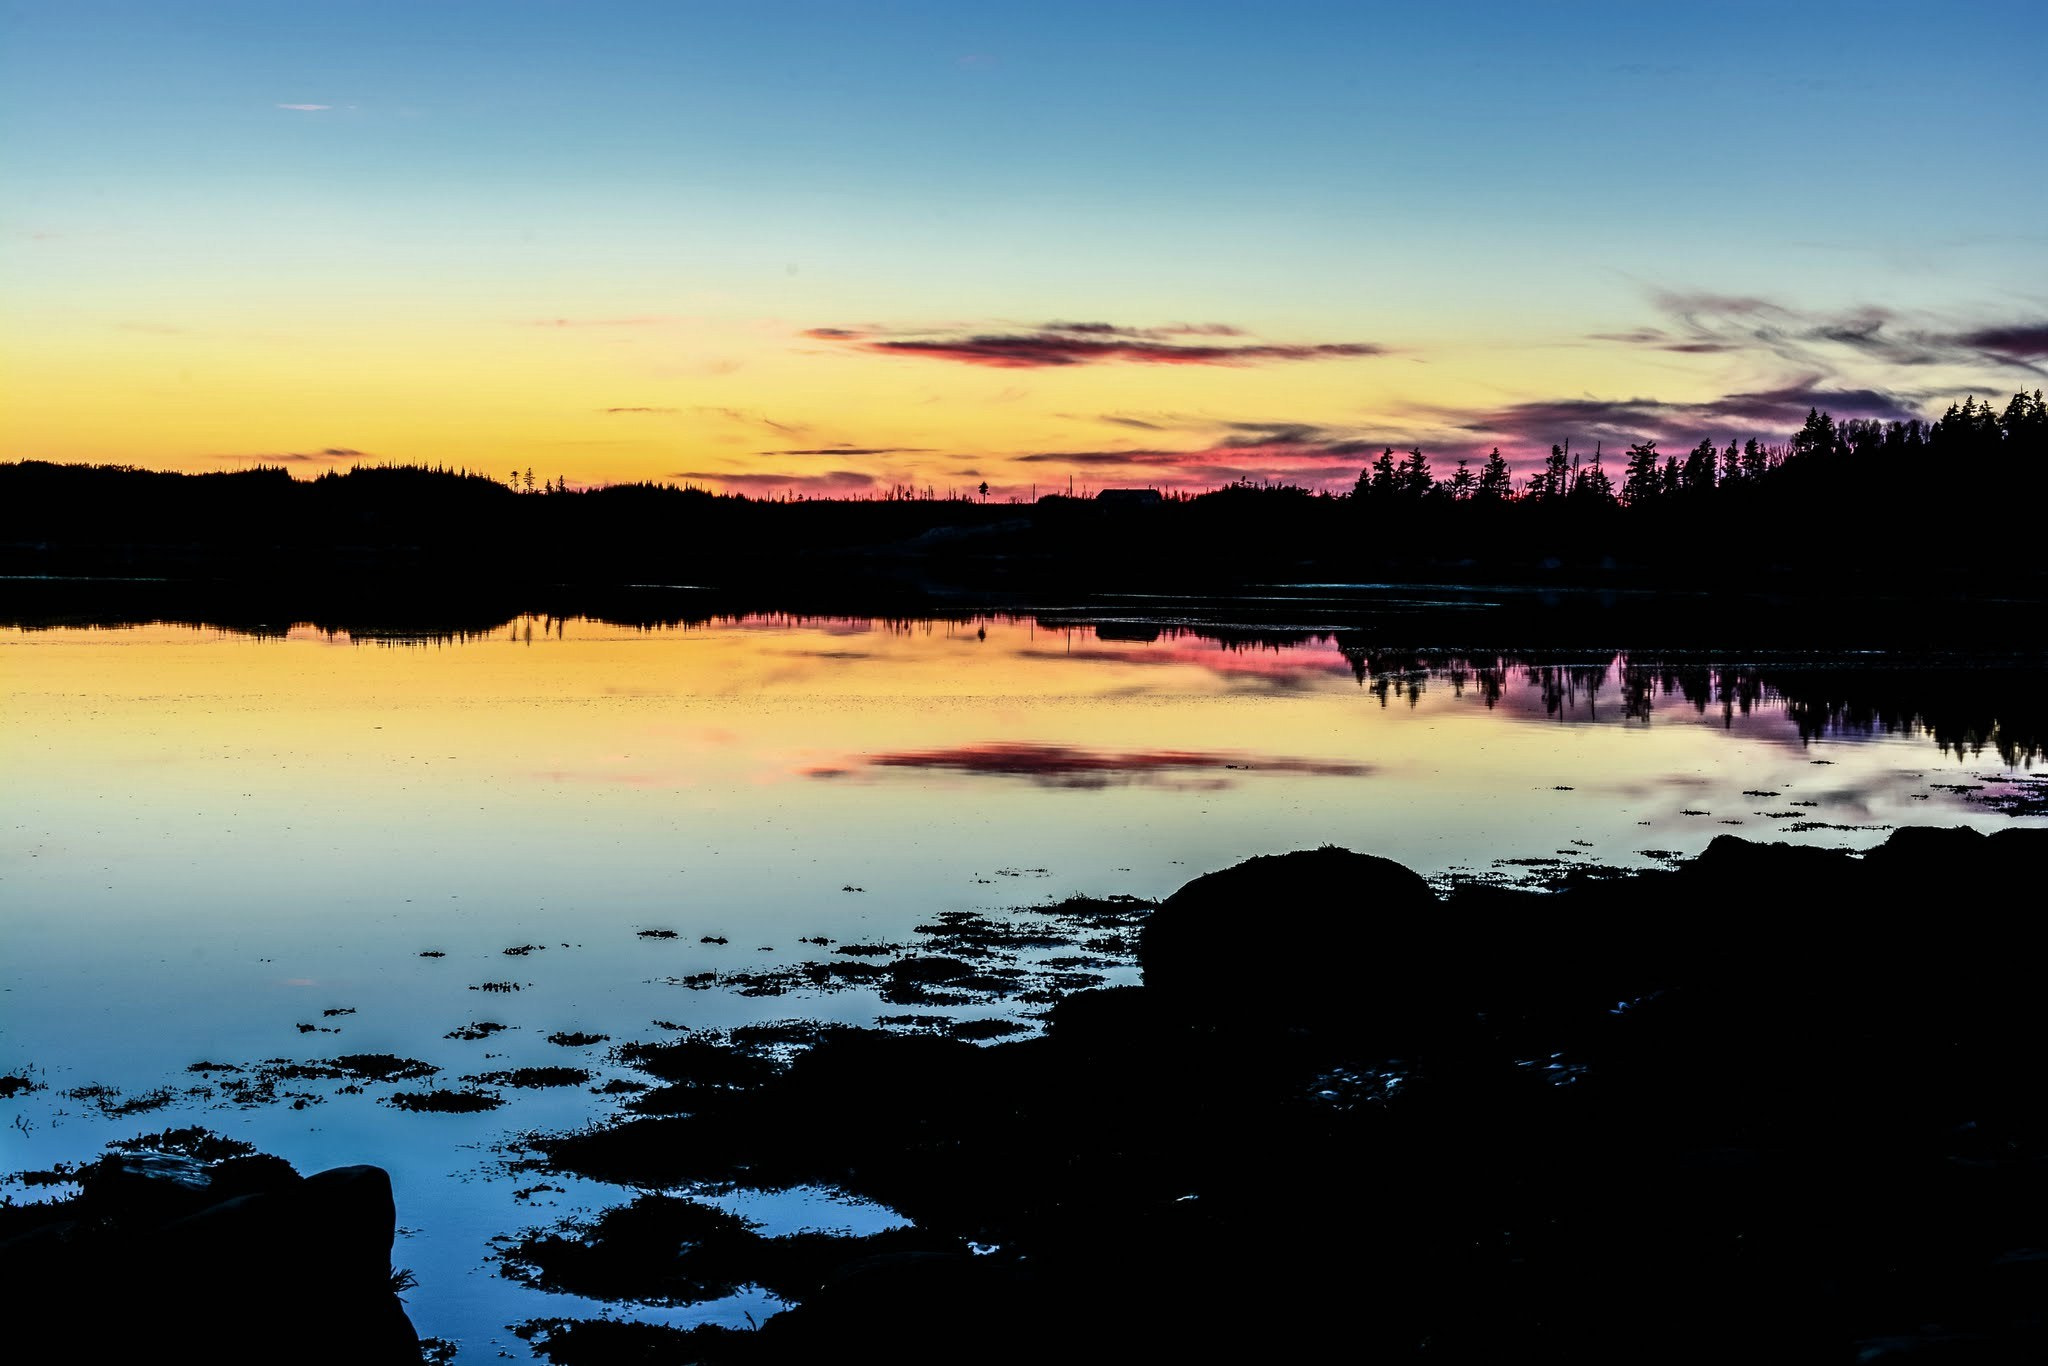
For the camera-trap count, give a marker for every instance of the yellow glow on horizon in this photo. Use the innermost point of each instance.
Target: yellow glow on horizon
(709, 396)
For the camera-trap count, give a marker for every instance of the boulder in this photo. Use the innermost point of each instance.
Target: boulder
(1292, 935)
(1752, 869)
(217, 1260)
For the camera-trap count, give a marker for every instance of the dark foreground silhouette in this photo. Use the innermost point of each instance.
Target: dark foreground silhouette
(187, 1246)
(1778, 1103)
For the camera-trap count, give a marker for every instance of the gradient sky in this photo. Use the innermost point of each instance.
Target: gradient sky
(828, 247)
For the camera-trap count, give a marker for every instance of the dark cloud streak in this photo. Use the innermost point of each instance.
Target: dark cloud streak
(1089, 343)
(856, 450)
(2026, 341)
(1763, 412)
(1714, 324)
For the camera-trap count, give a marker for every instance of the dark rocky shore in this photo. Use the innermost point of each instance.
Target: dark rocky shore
(1774, 1103)
(186, 1246)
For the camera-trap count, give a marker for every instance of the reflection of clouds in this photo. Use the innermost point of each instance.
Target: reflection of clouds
(1291, 666)
(837, 656)
(1075, 767)
(1845, 801)
(563, 777)
(1292, 681)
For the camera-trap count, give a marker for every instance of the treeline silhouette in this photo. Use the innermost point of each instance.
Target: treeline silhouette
(1859, 503)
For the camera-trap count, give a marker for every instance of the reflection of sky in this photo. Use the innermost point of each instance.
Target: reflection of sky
(206, 839)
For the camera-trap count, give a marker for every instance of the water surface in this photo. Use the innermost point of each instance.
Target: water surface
(209, 839)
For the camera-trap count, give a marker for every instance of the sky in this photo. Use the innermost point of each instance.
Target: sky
(830, 248)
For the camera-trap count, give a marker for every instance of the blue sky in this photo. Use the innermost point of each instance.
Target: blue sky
(1467, 184)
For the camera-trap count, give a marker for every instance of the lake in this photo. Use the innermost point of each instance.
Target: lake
(226, 846)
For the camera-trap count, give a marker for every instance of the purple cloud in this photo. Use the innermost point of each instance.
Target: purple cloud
(1089, 343)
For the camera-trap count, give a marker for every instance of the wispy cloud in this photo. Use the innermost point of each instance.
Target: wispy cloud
(1132, 459)
(645, 320)
(640, 410)
(836, 483)
(1088, 343)
(1766, 412)
(856, 450)
(747, 418)
(1315, 454)
(1314, 463)
(1827, 343)
(306, 108)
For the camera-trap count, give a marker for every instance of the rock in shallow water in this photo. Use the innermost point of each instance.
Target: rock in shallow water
(1762, 1105)
(238, 1260)
(1287, 933)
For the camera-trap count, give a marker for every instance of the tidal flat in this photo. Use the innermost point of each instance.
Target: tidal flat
(673, 858)
(1473, 1123)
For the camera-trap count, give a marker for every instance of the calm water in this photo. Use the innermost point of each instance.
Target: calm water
(208, 839)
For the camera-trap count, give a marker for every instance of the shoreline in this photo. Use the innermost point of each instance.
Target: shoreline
(1446, 615)
(1148, 1124)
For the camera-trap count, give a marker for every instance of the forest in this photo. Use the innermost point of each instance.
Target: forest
(1858, 504)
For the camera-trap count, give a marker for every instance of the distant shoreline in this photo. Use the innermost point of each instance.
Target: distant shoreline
(1848, 525)
(1430, 615)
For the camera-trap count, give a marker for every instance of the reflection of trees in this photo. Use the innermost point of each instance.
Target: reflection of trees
(1966, 712)
(1967, 707)
(1563, 685)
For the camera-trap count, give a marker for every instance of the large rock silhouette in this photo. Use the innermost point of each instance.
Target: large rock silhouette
(228, 1260)
(1294, 936)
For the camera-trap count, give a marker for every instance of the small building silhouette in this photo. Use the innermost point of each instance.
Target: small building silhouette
(1134, 498)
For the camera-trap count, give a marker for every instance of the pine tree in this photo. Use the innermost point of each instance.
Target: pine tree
(1697, 474)
(1639, 476)
(1415, 480)
(1556, 471)
(1756, 460)
(1386, 479)
(1592, 484)
(1817, 437)
(1495, 481)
